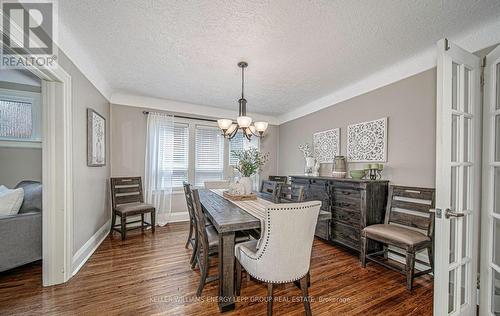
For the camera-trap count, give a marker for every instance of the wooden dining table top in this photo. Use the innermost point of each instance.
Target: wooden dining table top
(227, 216)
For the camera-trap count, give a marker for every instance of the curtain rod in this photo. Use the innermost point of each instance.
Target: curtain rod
(186, 117)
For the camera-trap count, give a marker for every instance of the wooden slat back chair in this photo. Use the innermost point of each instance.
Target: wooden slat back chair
(290, 193)
(280, 179)
(127, 199)
(269, 187)
(408, 225)
(207, 240)
(193, 236)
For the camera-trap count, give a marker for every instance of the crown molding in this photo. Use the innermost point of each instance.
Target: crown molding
(473, 40)
(183, 107)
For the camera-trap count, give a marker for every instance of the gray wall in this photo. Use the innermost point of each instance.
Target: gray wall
(17, 164)
(409, 105)
(128, 144)
(90, 197)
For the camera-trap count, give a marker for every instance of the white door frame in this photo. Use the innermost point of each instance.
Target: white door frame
(489, 163)
(447, 54)
(57, 173)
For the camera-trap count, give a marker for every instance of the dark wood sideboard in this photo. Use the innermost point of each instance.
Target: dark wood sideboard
(354, 204)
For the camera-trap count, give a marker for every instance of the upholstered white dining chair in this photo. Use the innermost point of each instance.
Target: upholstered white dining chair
(217, 184)
(283, 253)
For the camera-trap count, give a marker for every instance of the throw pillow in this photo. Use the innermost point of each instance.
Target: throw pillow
(11, 201)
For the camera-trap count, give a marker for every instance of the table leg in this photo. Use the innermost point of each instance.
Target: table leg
(226, 271)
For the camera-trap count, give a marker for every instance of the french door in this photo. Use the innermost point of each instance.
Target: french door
(490, 226)
(458, 179)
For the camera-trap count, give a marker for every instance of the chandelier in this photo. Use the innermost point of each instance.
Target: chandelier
(243, 122)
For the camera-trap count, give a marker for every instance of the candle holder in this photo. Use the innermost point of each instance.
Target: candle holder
(374, 171)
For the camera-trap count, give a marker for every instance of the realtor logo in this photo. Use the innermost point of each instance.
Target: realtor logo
(28, 29)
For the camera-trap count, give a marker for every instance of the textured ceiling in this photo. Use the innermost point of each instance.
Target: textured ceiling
(297, 51)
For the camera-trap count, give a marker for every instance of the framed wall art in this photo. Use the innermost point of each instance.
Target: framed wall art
(367, 141)
(96, 139)
(326, 145)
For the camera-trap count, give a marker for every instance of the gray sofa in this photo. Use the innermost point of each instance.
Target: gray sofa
(21, 234)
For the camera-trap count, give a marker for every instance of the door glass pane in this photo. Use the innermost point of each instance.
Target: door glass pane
(498, 87)
(463, 284)
(454, 138)
(497, 138)
(454, 188)
(451, 292)
(467, 138)
(466, 91)
(466, 189)
(496, 241)
(453, 232)
(465, 232)
(496, 190)
(454, 86)
(495, 300)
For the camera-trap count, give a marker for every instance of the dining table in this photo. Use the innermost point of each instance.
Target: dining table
(229, 217)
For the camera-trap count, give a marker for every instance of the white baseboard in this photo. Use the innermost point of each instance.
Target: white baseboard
(179, 217)
(83, 254)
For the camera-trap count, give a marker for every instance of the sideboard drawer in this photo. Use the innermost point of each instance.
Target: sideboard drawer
(348, 204)
(346, 193)
(346, 235)
(346, 216)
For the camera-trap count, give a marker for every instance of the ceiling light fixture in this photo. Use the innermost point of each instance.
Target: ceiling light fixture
(243, 122)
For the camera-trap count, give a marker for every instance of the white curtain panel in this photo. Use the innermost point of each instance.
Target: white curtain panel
(159, 164)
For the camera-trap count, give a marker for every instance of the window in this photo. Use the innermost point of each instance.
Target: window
(20, 117)
(181, 154)
(15, 119)
(240, 142)
(209, 154)
(201, 153)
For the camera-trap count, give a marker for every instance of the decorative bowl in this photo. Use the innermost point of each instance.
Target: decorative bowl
(357, 174)
(339, 174)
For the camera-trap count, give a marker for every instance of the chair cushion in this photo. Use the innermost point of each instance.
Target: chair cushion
(249, 247)
(132, 208)
(213, 236)
(398, 234)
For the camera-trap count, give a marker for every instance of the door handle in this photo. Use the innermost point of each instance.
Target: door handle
(449, 213)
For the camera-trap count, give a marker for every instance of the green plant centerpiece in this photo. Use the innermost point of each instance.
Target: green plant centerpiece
(250, 161)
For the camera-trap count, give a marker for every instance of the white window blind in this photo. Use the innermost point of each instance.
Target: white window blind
(209, 154)
(240, 142)
(181, 154)
(16, 119)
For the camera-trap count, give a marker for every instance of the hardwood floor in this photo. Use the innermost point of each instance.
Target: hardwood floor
(149, 274)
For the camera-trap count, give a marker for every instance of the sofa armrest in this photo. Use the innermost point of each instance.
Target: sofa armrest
(20, 239)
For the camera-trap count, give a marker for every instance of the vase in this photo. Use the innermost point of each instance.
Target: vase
(247, 184)
(308, 169)
(339, 169)
(317, 165)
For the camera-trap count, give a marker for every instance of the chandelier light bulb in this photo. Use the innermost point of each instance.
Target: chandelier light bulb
(224, 124)
(261, 126)
(244, 121)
